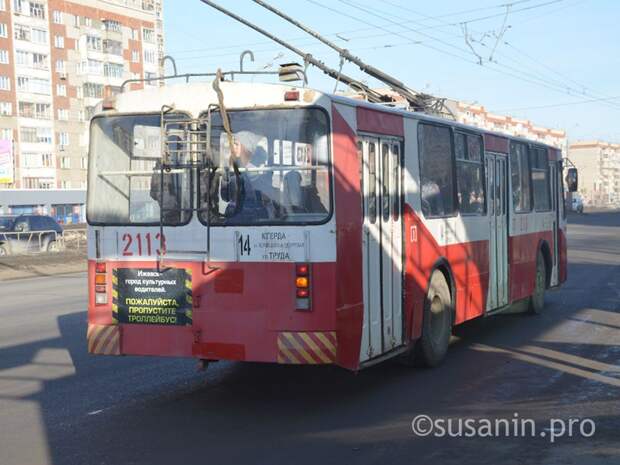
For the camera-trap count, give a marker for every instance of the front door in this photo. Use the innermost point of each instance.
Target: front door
(556, 198)
(497, 188)
(382, 245)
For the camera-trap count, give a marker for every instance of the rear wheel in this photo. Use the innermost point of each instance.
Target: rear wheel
(437, 322)
(537, 300)
(53, 247)
(4, 251)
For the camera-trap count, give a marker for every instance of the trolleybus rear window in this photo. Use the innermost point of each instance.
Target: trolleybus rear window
(282, 177)
(126, 184)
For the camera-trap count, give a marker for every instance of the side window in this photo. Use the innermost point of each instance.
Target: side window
(385, 181)
(469, 174)
(395, 181)
(520, 177)
(539, 161)
(436, 170)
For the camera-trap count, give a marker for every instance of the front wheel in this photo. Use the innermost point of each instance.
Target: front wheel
(53, 247)
(437, 322)
(537, 300)
(4, 251)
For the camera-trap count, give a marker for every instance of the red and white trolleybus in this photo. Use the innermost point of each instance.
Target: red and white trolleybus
(293, 226)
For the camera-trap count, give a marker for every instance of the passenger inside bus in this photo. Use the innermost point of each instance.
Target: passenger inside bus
(256, 190)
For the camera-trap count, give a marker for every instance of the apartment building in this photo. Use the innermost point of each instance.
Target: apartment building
(58, 60)
(598, 164)
(477, 115)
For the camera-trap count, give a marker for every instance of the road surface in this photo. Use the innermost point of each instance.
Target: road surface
(59, 405)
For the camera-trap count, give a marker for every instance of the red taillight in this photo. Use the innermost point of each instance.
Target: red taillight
(101, 288)
(291, 95)
(302, 286)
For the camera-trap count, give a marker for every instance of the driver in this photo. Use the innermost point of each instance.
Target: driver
(256, 193)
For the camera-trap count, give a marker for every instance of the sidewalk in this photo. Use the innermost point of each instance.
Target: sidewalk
(47, 264)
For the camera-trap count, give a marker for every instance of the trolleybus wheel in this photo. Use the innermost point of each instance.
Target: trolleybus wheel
(537, 300)
(437, 322)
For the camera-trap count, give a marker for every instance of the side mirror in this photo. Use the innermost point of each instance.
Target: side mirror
(572, 179)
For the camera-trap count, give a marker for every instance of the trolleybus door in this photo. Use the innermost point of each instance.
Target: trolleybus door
(553, 175)
(382, 245)
(496, 165)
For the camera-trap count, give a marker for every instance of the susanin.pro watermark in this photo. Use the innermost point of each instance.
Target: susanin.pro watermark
(516, 427)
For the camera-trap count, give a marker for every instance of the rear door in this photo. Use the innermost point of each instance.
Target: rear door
(382, 244)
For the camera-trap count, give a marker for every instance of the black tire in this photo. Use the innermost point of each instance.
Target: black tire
(4, 251)
(537, 299)
(53, 247)
(437, 322)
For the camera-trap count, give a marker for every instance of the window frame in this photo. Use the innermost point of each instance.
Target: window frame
(482, 163)
(330, 170)
(529, 177)
(455, 213)
(547, 170)
(192, 200)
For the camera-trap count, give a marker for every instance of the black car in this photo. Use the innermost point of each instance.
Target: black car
(29, 233)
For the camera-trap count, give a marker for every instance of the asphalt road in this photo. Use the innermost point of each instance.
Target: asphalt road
(60, 406)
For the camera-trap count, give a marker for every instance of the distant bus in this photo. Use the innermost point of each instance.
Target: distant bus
(332, 231)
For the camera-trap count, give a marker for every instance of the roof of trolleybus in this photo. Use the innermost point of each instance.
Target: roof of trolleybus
(194, 98)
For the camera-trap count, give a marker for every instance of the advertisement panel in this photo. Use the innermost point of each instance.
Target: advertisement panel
(6, 162)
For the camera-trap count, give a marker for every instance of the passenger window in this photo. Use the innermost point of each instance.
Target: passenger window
(395, 182)
(470, 174)
(436, 170)
(372, 183)
(385, 181)
(520, 177)
(539, 161)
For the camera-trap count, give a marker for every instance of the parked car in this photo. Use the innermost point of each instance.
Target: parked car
(29, 233)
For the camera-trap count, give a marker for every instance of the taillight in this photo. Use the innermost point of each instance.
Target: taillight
(302, 285)
(101, 289)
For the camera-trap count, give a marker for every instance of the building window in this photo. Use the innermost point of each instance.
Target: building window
(148, 35)
(79, 93)
(63, 114)
(39, 36)
(134, 34)
(59, 42)
(37, 10)
(113, 70)
(92, 90)
(4, 57)
(151, 78)
(65, 162)
(64, 184)
(2, 5)
(3, 30)
(63, 138)
(520, 178)
(33, 85)
(61, 90)
(111, 25)
(113, 47)
(36, 135)
(5, 83)
(60, 66)
(135, 56)
(21, 32)
(436, 170)
(34, 110)
(93, 43)
(6, 134)
(469, 173)
(39, 60)
(149, 56)
(6, 108)
(88, 22)
(83, 163)
(57, 17)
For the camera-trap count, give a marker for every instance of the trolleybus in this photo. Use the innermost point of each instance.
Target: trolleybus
(272, 223)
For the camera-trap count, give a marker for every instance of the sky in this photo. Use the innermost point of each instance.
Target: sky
(554, 62)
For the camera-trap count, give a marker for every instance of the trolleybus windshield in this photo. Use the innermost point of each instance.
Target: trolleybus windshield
(282, 157)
